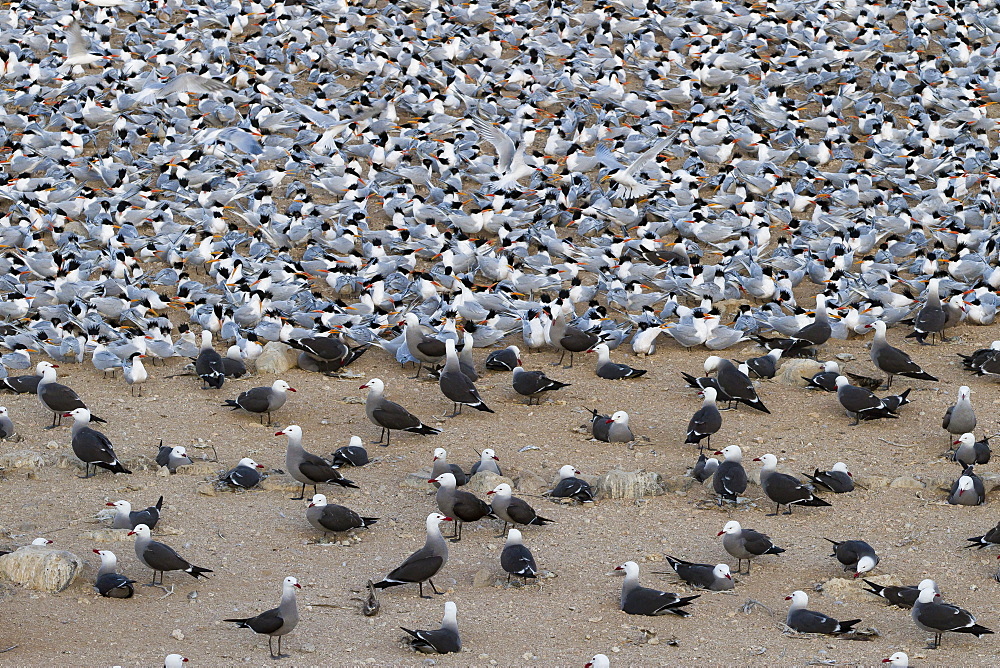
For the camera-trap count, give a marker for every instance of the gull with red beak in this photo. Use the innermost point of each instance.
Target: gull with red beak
(307, 468)
(856, 555)
(389, 415)
(703, 576)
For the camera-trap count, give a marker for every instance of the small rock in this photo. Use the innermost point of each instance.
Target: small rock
(23, 459)
(107, 536)
(483, 578)
(485, 481)
(206, 488)
(198, 469)
(843, 589)
(176, 634)
(844, 357)
(163, 472)
(418, 481)
(276, 358)
(618, 484)
(906, 482)
(40, 568)
(795, 371)
(307, 647)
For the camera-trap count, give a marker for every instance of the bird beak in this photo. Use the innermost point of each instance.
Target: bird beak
(432, 480)
(608, 421)
(490, 492)
(363, 386)
(447, 519)
(857, 575)
(718, 452)
(96, 551)
(955, 442)
(720, 533)
(109, 504)
(131, 533)
(260, 466)
(756, 459)
(728, 576)
(496, 458)
(297, 585)
(291, 389)
(619, 568)
(55, 366)
(311, 505)
(788, 598)
(279, 433)
(67, 415)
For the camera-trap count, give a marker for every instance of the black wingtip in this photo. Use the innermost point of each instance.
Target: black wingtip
(159, 503)
(847, 626)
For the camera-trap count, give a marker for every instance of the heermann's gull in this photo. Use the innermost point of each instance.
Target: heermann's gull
(172, 456)
(960, 418)
(329, 352)
(513, 510)
(814, 334)
(746, 544)
(571, 487)
(352, 454)
(706, 421)
(456, 386)
(6, 424)
(135, 373)
(276, 622)
(161, 557)
(704, 467)
(516, 559)
(23, 384)
(233, 365)
(610, 370)
(598, 661)
(504, 360)
(208, 365)
(244, 475)
(936, 617)
(705, 382)
(331, 517)
(566, 337)
(826, 379)
(57, 397)
(809, 621)
(612, 429)
(466, 363)
(784, 489)
(174, 661)
(855, 555)
(891, 360)
(126, 518)
(638, 600)
(894, 402)
(534, 384)
(970, 451)
(261, 400)
(703, 576)
(91, 446)
(765, 366)
(444, 640)
(458, 504)
(488, 461)
(440, 465)
(109, 583)
(421, 343)
(991, 537)
(307, 468)
(389, 415)
(903, 597)
(897, 660)
(930, 319)
(838, 479)
(968, 490)
(730, 479)
(734, 383)
(423, 564)
(860, 403)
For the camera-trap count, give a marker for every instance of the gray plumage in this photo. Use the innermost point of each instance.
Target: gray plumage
(423, 564)
(329, 517)
(809, 621)
(91, 446)
(534, 384)
(703, 576)
(855, 555)
(456, 386)
(784, 489)
(57, 397)
(161, 557)
(244, 475)
(513, 510)
(209, 365)
(612, 429)
(440, 465)
(571, 487)
(968, 490)
(488, 461)
(746, 544)
(706, 421)
(638, 600)
(934, 616)
(458, 504)
(262, 400)
(7, 429)
(389, 415)
(730, 479)
(126, 518)
(172, 456)
(276, 622)
(516, 559)
(892, 360)
(444, 640)
(838, 480)
(960, 418)
(734, 383)
(307, 468)
(109, 583)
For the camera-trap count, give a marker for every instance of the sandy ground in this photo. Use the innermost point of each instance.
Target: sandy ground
(252, 540)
